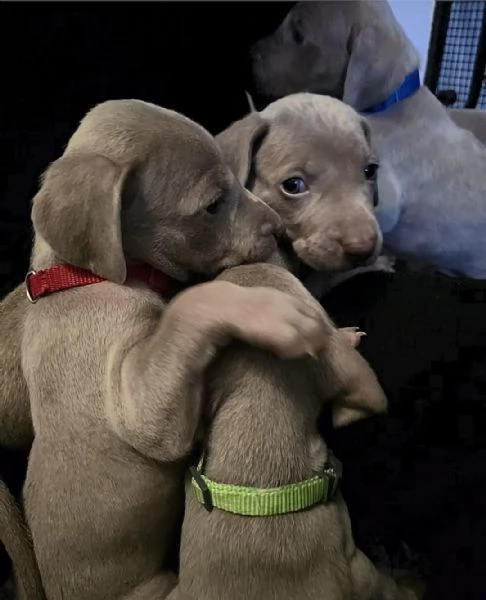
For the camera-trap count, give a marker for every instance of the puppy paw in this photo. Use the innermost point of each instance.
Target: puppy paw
(384, 263)
(352, 335)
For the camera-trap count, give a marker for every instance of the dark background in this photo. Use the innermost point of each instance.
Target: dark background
(417, 476)
(60, 59)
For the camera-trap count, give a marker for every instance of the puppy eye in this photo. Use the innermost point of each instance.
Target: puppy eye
(294, 186)
(371, 171)
(297, 35)
(215, 206)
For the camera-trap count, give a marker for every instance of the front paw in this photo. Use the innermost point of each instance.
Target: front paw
(384, 263)
(352, 335)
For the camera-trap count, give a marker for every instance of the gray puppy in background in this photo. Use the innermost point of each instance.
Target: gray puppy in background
(431, 181)
(114, 370)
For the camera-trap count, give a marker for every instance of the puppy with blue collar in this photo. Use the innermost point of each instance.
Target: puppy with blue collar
(431, 180)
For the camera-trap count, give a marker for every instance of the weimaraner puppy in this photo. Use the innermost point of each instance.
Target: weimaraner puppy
(309, 140)
(315, 166)
(140, 200)
(252, 534)
(15, 537)
(431, 181)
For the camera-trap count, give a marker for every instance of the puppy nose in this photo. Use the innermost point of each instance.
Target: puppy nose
(358, 258)
(361, 244)
(267, 229)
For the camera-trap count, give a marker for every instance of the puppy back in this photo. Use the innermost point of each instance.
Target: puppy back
(266, 275)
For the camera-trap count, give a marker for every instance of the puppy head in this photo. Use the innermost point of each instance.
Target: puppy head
(290, 59)
(141, 183)
(315, 167)
(353, 50)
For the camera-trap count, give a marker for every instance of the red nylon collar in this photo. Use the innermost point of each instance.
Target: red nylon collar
(63, 277)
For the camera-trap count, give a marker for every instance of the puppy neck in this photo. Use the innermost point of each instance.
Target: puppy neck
(170, 269)
(263, 430)
(286, 258)
(407, 88)
(43, 256)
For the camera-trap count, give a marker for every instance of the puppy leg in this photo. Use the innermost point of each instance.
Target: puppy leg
(371, 584)
(155, 388)
(352, 335)
(15, 420)
(16, 538)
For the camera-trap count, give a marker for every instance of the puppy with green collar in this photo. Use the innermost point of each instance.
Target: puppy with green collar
(264, 516)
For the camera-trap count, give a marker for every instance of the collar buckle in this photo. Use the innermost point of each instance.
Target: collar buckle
(333, 473)
(30, 298)
(207, 499)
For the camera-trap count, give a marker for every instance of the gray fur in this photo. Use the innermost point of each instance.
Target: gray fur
(262, 432)
(432, 203)
(114, 371)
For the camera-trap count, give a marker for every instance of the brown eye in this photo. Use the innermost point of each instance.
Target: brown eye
(294, 186)
(297, 35)
(371, 171)
(215, 206)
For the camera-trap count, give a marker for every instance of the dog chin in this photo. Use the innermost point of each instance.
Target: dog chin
(262, 252)
(327, 266)
(269, 91)
(265, 87)
(333, 264)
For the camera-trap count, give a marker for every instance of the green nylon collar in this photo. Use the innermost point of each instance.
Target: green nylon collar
(267, 502)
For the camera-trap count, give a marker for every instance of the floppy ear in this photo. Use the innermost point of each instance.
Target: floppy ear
(251, 104)
(369, 71)
(239, 143)
(77, 212)
(358, 393)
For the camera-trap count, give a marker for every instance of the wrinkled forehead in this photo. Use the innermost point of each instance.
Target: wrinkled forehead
(310, 15)
(188, 150)
(192, 168)
(316, 8)
(131, 131)
(316, 136)
(304, 13)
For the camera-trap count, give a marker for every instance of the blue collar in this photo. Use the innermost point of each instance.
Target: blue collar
(409, 86)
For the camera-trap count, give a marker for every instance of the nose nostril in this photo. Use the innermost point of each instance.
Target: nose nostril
(359, 258)
(268, 229)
